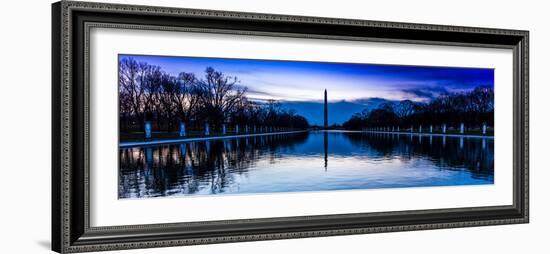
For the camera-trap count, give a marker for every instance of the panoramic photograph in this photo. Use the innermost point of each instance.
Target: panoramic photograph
(192, 126)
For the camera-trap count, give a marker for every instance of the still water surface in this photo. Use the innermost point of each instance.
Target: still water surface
(308, 161)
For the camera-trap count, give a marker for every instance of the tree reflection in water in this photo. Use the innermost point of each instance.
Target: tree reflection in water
(304, 161)
(449, 153)
(186, 168)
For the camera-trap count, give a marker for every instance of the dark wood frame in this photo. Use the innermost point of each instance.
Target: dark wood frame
(71, 22)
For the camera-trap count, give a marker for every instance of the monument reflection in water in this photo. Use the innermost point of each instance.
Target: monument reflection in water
(306, 161)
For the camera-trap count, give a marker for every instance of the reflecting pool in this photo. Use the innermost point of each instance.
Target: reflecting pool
(305, 161)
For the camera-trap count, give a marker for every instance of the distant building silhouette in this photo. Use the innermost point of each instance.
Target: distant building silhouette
(326, 111)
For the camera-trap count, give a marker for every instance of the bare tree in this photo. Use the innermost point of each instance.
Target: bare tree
(185, 97)
(151, 83)
(131, 92)
(219, 94)
(404, 108)
(166, 93)
(147, 93)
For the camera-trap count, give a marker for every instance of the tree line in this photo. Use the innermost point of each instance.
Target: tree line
(147, 93)
(473, 109)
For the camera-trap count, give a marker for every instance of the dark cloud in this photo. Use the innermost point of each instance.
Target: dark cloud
(256, 91)
(426, 93)
(370, 100)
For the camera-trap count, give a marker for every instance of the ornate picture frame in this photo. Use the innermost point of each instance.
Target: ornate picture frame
(71, 24)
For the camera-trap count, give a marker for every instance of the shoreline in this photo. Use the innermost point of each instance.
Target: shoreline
(186, 140)
(428, 134)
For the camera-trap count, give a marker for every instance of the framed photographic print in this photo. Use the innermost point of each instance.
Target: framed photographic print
(182, 126)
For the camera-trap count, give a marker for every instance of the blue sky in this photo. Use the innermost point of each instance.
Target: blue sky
(305, 81)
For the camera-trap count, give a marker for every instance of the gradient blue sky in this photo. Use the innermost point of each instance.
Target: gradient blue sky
(305, 81)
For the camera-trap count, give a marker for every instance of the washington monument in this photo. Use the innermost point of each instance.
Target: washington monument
(326, 111)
